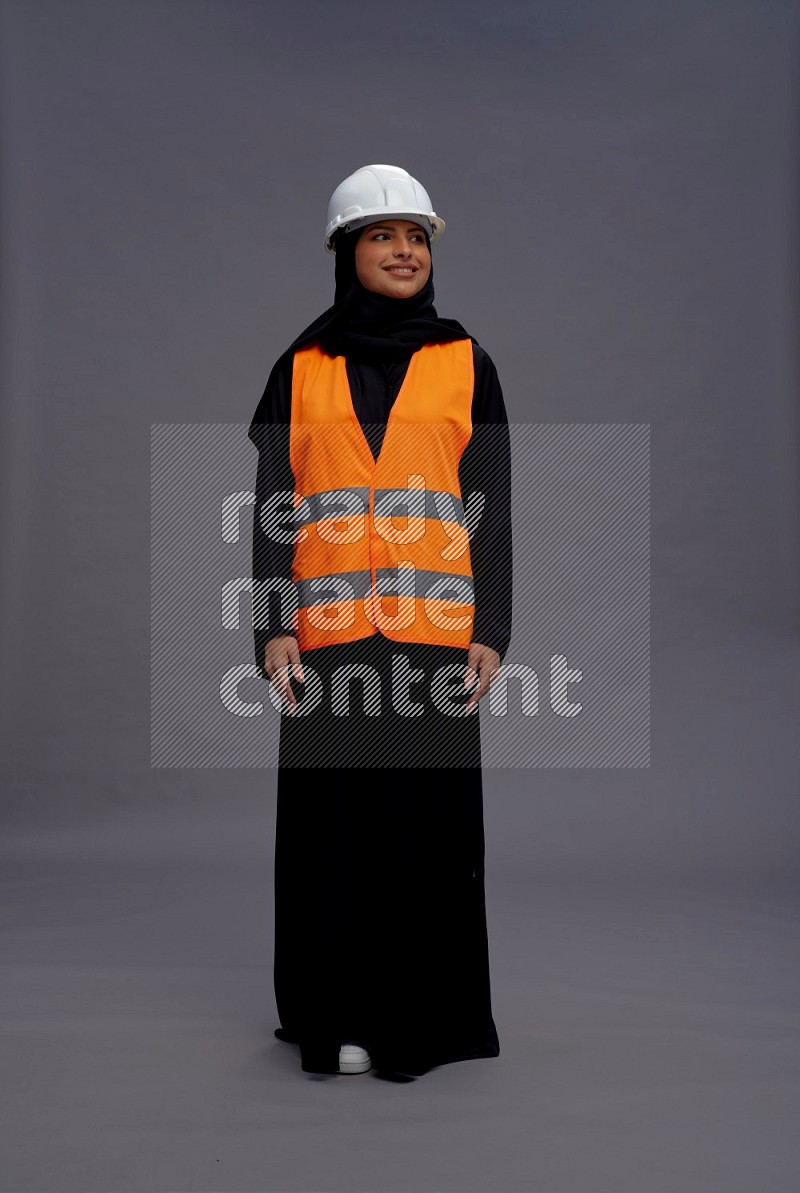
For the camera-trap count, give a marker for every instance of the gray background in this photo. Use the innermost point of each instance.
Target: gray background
(619, 185)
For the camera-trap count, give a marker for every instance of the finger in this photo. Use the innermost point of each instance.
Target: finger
(288, 690)
(280, 681)
(482, 689)
(294, 656)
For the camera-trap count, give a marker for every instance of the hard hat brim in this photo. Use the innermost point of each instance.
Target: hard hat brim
(434, 224)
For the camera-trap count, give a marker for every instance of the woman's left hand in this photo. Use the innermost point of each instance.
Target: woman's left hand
(485, 662)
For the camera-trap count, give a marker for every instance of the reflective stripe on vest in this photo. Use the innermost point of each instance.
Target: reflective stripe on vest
(382, 545)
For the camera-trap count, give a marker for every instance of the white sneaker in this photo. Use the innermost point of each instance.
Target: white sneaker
(354, 1059)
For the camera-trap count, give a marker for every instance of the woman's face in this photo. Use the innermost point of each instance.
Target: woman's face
(393, 258)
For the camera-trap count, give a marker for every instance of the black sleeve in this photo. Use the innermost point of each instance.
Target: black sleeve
(485, 467)
(272, 559)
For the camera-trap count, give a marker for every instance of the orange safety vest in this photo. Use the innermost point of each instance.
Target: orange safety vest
(382, 546)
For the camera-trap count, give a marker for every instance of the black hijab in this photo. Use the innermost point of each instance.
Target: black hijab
(371, 327)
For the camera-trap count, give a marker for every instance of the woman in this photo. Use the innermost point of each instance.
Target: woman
(381, 954)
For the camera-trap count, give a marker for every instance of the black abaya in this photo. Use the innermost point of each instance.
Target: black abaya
(380, 924)
(380, 921)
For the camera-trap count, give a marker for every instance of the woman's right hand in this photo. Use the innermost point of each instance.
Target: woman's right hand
(282, 659)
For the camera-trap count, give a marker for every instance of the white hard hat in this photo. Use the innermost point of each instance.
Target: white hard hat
(376, 191)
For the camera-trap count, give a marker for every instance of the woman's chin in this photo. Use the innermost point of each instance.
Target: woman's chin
(401, 290)
(405, 288)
